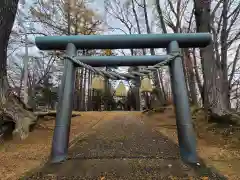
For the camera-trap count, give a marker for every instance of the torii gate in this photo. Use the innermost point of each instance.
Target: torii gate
(173, 42)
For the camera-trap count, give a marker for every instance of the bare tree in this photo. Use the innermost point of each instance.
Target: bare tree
(213, 97)
(10, 104)
(226, 33)
(172, 18)
(123, 12)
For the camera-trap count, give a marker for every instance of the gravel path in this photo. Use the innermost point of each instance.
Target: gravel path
(120, 147)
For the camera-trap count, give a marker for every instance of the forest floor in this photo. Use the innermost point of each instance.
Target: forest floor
(218, 145)
(119, 145)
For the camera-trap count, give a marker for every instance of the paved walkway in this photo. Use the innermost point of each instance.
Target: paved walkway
(122, 147)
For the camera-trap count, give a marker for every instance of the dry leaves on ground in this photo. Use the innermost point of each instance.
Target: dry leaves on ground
(223, 158)
(18, 157)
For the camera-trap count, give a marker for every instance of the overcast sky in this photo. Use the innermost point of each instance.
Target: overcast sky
(98, 5)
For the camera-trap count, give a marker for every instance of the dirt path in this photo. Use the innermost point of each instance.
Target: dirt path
(122, 146)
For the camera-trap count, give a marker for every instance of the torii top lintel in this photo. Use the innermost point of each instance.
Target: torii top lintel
(134, 41)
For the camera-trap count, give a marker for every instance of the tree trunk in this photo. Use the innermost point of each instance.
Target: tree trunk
(32, 95)
(137, 21)
(164, 30)
(89, 90)
(198, 79)
(10, 105)
(106, 94)
(191, 80)
(84, 90)
(8, 11)
(212, 75)
(149, 32)
(76, 91)
(160, 73)
(81, 89)
(156, 74)
(224, 52)
(21, 84)
(186, 74)
(138, 28)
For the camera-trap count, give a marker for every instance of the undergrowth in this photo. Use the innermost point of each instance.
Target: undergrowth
(222, 130)
(218, 130)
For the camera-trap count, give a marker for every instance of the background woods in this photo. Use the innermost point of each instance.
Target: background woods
(30, 78)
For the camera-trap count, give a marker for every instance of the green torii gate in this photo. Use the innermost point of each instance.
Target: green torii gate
(173, 42)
